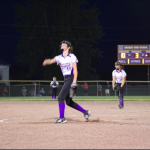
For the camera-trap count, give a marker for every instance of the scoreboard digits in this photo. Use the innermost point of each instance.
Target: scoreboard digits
(123, 55)
(134, 54)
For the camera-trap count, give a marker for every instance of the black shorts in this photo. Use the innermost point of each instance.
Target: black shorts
(121, 92)
(65, 92)
(24, 93)
(54, 91)
(85, 91)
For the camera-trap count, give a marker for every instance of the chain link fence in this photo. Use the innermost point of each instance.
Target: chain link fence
(15, 88)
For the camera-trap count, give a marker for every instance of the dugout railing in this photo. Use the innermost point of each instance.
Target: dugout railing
(14, 87)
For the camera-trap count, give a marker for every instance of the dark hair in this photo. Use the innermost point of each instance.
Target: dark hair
(120, 64)
(68, 45)
(71, 48)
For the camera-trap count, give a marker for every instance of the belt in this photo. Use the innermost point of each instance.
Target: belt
(118, 83)
(66, 76)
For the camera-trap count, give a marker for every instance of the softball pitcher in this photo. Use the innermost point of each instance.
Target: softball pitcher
(68, 64)
(119, 77)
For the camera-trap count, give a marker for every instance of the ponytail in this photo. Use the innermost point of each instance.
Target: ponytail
(122, 67)
(71, 49)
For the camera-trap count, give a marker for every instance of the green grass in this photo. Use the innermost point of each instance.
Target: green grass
(78, 98)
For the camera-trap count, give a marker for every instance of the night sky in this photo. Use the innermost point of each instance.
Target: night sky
(123, 21)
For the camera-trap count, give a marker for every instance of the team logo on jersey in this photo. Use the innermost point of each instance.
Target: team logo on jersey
(64, 64)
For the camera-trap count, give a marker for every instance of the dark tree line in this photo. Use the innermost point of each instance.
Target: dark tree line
(43, 24)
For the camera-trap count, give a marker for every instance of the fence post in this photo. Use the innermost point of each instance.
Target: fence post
(9, 88)
(148, 79)
(97, 88)
(126, 89)
(39, 86)
(35, 91)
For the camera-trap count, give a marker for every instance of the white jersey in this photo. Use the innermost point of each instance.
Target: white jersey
(53, 86)
(119, 75)
(66, 63)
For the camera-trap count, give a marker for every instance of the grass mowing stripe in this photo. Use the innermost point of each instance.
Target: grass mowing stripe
(78, 98)
(75, 100)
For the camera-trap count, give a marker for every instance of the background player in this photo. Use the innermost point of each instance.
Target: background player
(5, 91)
(24, 91)
(107, 91)
(119, 77)
(54, 84)
(85, 89)
(68, 65)
(99, 88)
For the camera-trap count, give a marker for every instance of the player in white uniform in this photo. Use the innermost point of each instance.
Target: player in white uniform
(119, 77)
(54, 84)
(68, 65)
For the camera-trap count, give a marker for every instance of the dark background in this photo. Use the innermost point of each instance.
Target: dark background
(123, 22)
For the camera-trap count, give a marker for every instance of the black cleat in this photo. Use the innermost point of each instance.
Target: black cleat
(87, 115)
(61, 120)
(120, 106)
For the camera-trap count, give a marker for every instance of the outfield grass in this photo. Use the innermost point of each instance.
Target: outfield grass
(78, 98)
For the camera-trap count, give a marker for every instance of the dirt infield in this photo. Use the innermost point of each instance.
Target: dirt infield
(30, 125)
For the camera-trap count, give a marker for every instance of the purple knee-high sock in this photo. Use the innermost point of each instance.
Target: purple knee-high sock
(52, 96)
(121, 102)
(80, 109)
(61, 110)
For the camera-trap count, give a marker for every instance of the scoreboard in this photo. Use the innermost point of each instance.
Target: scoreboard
(134, 54)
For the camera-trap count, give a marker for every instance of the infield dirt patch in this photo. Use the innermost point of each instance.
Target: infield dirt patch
(30, 125)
